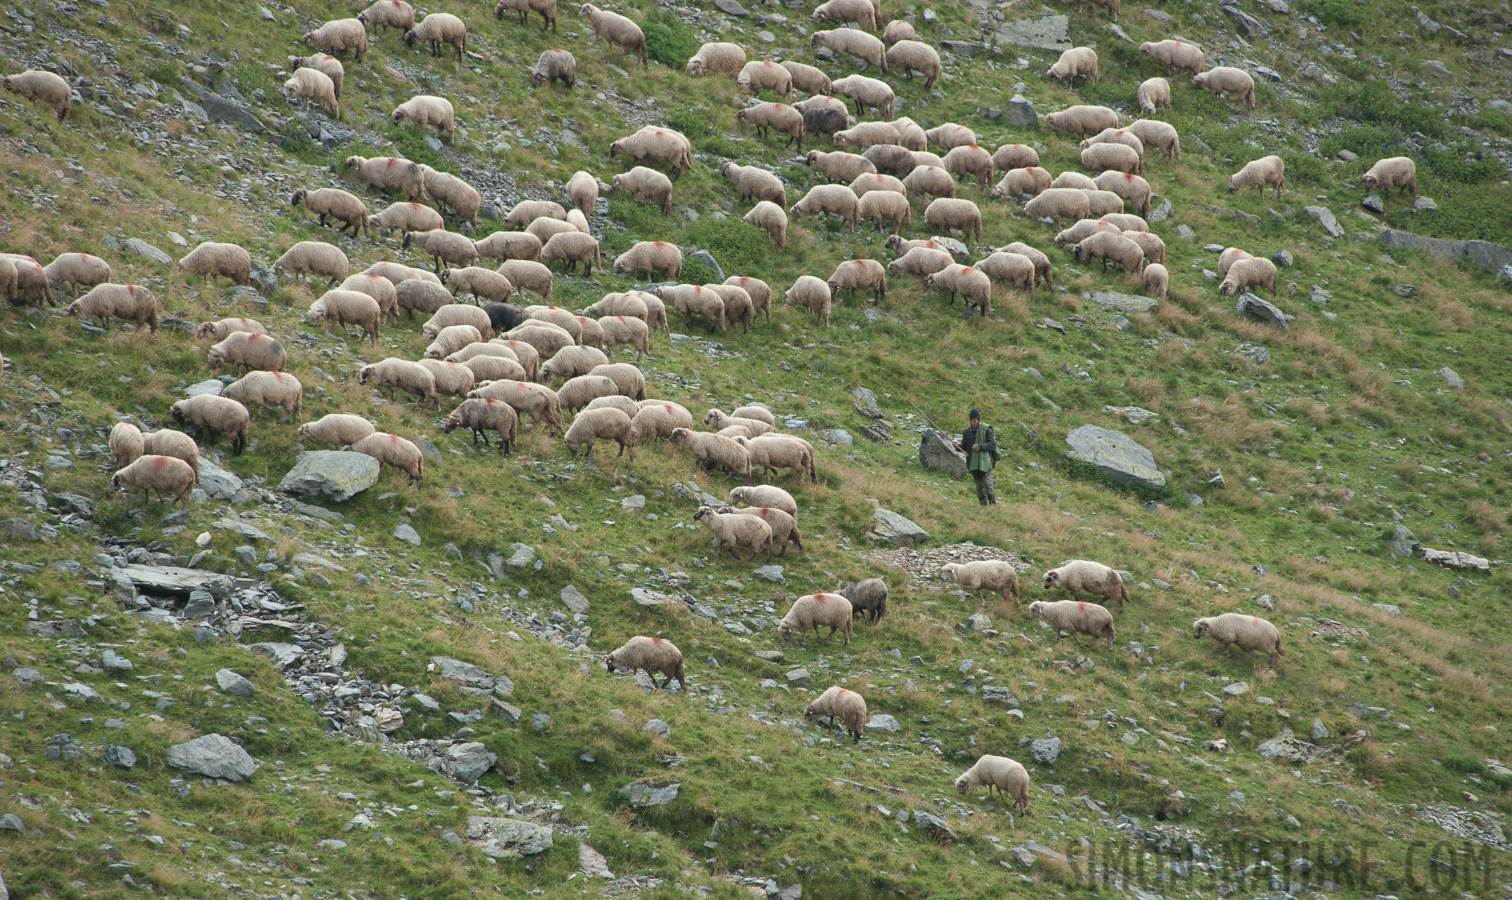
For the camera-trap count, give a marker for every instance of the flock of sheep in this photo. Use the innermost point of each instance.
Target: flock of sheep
(499, 358)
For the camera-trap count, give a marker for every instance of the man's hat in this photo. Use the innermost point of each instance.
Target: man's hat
(975, 415)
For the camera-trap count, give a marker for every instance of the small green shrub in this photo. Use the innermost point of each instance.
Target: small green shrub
(1336, 13)
(163, 73)
(738, 247)
(409, 142)
(1305, 168)
(669, 41)
(1463, 164)
(296, 141)
(1494, 121)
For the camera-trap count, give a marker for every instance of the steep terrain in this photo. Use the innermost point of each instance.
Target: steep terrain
(1302, 467)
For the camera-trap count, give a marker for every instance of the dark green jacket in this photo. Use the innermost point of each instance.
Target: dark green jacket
(984, 459)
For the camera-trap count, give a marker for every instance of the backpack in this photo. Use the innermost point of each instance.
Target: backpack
(992, 439)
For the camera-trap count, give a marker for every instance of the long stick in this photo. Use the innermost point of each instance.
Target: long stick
(943, 433)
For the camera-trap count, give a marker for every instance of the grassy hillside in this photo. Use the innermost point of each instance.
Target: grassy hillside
(1337, 433)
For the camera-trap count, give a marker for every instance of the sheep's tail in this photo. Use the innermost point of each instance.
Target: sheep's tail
(1279, 650)
(1123, 590)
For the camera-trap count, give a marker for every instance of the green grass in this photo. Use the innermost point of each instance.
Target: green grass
(1322, 450)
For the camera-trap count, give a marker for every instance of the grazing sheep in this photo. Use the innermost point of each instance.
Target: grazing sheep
(336, 428)
(1244, 274)
(380, 289)
(428, 111)
(808, 79)
(1153, 93)
(249, 351)
(655, 655)
(457, 314)
(481, 416)
(660, 145)
(535, 400)
(398, 274)
(814, 611)
(444, 246)
(1117, 157)
(911, 136)
(1082, 230)
(452, 379)
(759, 292)
(1014, 156)
(651, 257)
(127, 302)
(833, 199)
(547, 9)
(1125, 221)
(437, 29)
(1160, 135)
(553, 66)
(450, 191)
(898, 30)
(755, 183)
(647, 184)
(1031, 180)
(1130, 187)
(583, 188)
(864, 47)
(774, 451)
(657, 419)
(779, 117)
(1007, 775)
(44, 87)
(784, 527)
(339, 36)
(166, 442)
(868, 599)
(77, 270)
(1395, 171)
(718, 419)
(313, 257)
(210, 261)
(985, 576)
(892, 159)
(8, 279)
(860, 274)
(1076, 617)
(591, 425)
(616, 401)
(1227, 79)
(1175, 55)
(929, 181)
(1110, 246)
(1153, 246)
(867, 134)
(1042, 269)
(410, 377)
(1259, 173)
(617, 30)
(525, 354)
(821, 100)
(527, 211)
(764, 75)
(489, 349)
(970, 160)
(570, 362)
(223, 328)
(278, 389)
(711, 450)
(1009, 269)
(1073, 181)
(395, 14)
(527, 275)
(484, 284)
(389, 173)
(1103, 203)
(899, 247)
(573, 248)
(395, 451)
(914, 56)
(920, 261)
(451, 339)
(546, 338)
(695, 300)
(578, 392)
(416, 295)
(1155, 281)
(825, 121)
(30, 280)
(1085, 120)
(487, 367)
(626, 330)
(866, 92)
(125, 443)
(811, 294)
(955, 215)
(216, 415)
(545, 229)
(336, 204)
(1077, 575)
(1248, 633)
(839, 166)
(765, 495)
(161, 475)
(1080, 61)
(837, 701)
(347, 308)
(312, 84)
(885, 207)
(1116, 136)
(506, 245)
(716, 59)
(861, 12)
(974, 286)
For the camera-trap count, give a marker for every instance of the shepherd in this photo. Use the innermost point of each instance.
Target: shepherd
(979, 443)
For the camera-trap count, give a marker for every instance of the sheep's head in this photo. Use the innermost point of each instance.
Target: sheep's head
(695, 68)
(678, 435)
(1200, 628)
(1368, 180)
(365, 374)
(115, 480)
(609, 662)
(409, 38)
(1199, 79)
(704, 512)
(1035, 607)
(177, 412)
(398, 115)
(297, 197)
(1052, 578)
(961, 785)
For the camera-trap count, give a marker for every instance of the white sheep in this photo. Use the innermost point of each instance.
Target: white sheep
(535, 400)
(452, 379)
(312, 84)
(216, 415)
(46, 87)
(336, 204)
(1248, 633)
(711, 450)
(395, 451)
(1153, 93)
(716, 58)
(348, 308)
(930, 181)
(1257, 271)
(480, 416)
(437, 29)
(764, 75)
(808, 79)
(528, 275)
(617, 30)
(428, 111)
(814, 611)
(1155, 281)
(339, 36)
(811, 294)
(389, 173)
(554, 65)
(410, 377)
(836, 701)
(1086, 120)
(450, 191)
(969, 159)
(1259, 173)
(1395, 171)
(1031, 180)
(1042, 269)
(1227, 80)
(547, 9)
(161, 475)
(1116, 157)
(127, 302)
(765, 495)
(864, 91)
(167, 442)
(657, 656)
(211, 260)
(506, 245)
(868, 599)
(1130, 187)
(753, 182)
(1076, 617)
(277, 389)
(1175, 55)
(1078, 575)
(839, 166)
(77, 270)
(657, 419)
(417, 295)
(768, 117)
(1008, 269)
(125, 443)
(573, 248)
(247, 350)
(865, 47)
(955, 215)
(661, 145)
(313, 257)
(1078, 61)
(924, 261)
(1161, 135)
(734, 530)
(1014, 156)
(915, 56)
(1007, 775)
(1153, 247)
(1111, 246)
(591, 425)
(444, 246)
(336, 428)
(396, 14)
(898, 30)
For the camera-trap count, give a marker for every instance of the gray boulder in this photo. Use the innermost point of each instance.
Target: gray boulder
(338, 475)
(1325, 217)
(234, 684)
(574, 600)
(1019, 113)
(1125, 303)
(507, 838)
(1262, 311)
(643, 795)
(1045, 751)
(217, 483)
(468, 762)
(1044, 33)
(938, 455)
(142, 248)
(890, 528)
(213, 756)
(1116, 456)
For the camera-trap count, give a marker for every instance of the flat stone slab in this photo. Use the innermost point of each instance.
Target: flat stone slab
(643, 795)
(890, 528)
(1125, 303)
(505, 838)
(1116, 456)
(213, 756)
(1262, 311)
(1045, 33)
(175, 580)
(1458, 560)
(250, 532)
(338, 475)
(574, 600)
(217, 483)
(939, 455)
